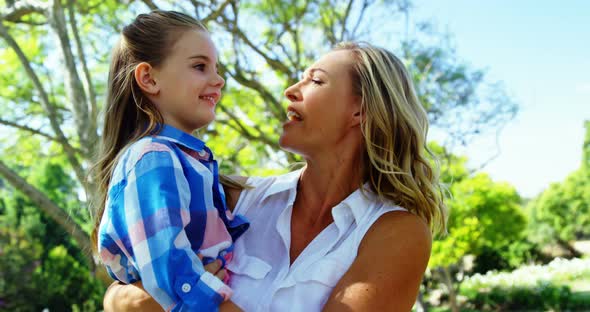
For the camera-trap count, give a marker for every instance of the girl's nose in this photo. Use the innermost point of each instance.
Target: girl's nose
(218, 81)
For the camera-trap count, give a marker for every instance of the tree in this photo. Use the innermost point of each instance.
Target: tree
(485, 217)
(54, 56)
(561, 213)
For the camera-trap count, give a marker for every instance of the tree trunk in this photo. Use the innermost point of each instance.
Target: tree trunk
(447, 279)
(51, 209)
(421, 305)
(567, 246)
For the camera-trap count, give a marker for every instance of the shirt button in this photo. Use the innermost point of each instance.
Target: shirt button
(202, 153)
(186, 287)
(223, 253)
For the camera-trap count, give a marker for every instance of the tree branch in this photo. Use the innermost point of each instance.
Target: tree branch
(45, 103)
(51, 209)
(33, 131)
(23, 8)
(73, 84)
(267, 97)
(216, 13)
(345, 19)
(358, 21)
(150, 4)
(262, 137)
(89, 87)
(275, 64)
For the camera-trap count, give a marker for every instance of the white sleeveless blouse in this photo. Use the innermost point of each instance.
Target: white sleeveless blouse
(262, 279)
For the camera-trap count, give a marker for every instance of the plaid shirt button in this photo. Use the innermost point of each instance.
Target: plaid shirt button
(186, 287)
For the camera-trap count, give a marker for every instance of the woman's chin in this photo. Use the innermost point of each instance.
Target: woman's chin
(288, 144)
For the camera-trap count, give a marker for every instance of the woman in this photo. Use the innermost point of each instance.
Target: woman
(352, 229)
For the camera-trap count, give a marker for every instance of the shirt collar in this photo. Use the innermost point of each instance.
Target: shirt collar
(355, 206)
(285, 182)
(180, 137)
(352, 209)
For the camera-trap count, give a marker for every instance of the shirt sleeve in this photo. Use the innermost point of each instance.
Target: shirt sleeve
(148, 216)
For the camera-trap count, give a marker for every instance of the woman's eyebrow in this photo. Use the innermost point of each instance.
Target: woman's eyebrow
(204, 57)
(312, 70)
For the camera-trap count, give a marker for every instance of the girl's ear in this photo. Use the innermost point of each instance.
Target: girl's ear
(144, 75)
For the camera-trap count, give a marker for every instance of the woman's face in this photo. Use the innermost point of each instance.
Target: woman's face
(323, 109)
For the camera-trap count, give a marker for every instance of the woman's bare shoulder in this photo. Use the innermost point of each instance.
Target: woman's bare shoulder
(233, 194)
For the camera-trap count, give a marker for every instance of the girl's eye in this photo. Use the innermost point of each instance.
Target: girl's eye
(317, 82)
(200, 67)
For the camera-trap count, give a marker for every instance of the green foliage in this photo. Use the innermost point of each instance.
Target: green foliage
(57, 282)
(530, 287)
(542, 297)
(485, 218)
(38, 259)
(19, 258)
(562, 212)
(66, 283)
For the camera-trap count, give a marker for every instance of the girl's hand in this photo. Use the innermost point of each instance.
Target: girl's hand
(215, 269)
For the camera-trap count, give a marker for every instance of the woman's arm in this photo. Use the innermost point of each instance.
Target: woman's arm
(134, 298)
(388, 269)
(130, 298)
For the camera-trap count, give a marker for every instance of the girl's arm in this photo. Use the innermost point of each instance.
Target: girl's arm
(144, 235)
(133, 297)
(388, 269)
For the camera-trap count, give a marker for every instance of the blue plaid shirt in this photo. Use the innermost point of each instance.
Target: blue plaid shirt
(165, 207)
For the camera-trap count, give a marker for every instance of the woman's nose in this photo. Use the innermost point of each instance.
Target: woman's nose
(293, 93)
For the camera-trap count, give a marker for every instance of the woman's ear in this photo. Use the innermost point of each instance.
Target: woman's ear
(144, 76)
(357, 115)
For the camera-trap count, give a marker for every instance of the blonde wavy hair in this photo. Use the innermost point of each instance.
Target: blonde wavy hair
(394, 129)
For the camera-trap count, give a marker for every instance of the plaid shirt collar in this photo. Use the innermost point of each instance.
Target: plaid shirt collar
(189, 143)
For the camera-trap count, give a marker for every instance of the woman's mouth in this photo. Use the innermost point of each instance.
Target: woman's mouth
(292, 115)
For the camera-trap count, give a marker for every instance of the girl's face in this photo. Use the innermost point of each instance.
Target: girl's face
(189, 86)
(323, 109)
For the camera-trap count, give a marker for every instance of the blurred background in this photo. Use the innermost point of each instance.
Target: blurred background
(505, 84)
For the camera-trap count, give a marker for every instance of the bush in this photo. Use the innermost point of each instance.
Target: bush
(531, 287)
(542, 297)
(67, 283)
(19, 258)
(29, 283)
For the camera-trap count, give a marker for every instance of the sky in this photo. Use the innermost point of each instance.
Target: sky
(540, 51)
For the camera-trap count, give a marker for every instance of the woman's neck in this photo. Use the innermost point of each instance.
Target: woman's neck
(325, 182)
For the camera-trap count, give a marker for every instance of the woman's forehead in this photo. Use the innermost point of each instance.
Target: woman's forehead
(335, 61)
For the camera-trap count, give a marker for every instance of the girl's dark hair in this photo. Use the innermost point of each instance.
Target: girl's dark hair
(129, 114)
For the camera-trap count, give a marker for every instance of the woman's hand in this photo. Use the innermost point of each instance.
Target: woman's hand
(133, 297)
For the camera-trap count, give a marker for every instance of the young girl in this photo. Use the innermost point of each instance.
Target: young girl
(163, 206)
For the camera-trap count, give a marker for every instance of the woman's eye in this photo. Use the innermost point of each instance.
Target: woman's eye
(317, 81)
(200, 67)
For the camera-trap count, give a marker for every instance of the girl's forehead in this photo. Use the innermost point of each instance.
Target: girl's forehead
(193, 43)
